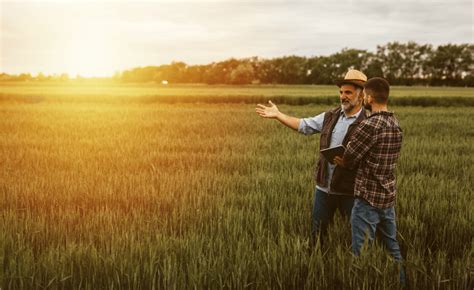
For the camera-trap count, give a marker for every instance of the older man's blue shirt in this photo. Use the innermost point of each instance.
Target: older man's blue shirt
(309, 126)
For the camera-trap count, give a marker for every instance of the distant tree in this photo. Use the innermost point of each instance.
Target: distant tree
(451, 63)
(24, 77)
(194, 74)
(64, 77)
(4, 77)
(175, 72)
(316, 70)
(214, 74)
(373, 66)
(41, 77)
(390, 55)
(243, 74)
(219, 72)
(140, 75)
(267, 71)
(404, 63)
(401, 63)
(348, 59)
(423, 57)
(413, 58)
(290, 69)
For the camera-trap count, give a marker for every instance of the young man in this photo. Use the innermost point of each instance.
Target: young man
(335, 185)
(374, 149)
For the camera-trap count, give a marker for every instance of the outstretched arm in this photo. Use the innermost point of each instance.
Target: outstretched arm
(272, 112)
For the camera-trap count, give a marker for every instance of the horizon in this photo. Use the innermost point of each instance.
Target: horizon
(78, 76)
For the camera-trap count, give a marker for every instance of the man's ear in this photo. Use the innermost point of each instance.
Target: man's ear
(370, 98)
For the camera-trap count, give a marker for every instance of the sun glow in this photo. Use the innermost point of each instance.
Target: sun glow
(89, 52)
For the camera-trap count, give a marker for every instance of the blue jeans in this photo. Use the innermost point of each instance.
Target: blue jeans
(325, 206)
(365, 219)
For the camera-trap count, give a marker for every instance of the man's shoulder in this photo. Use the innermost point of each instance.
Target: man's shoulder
(395, 121)
(371, 125)
(329, 114)
(384, 120)
(371, 121)
(336, 110)
(332, 112)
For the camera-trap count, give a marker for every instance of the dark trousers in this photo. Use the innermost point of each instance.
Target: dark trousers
(325, 206)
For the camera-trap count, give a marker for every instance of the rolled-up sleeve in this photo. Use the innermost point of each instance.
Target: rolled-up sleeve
(311, 125)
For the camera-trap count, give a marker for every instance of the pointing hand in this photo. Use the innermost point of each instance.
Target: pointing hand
(270, 111)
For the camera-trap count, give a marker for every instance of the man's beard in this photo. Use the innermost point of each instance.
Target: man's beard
(347, 106)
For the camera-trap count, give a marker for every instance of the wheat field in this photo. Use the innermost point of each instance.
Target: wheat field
(124, 193)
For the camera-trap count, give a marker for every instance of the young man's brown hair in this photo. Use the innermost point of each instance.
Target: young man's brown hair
(378, 88)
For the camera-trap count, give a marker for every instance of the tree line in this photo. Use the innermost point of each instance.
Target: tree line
(400, 63)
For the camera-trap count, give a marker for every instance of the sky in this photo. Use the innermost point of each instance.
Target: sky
(98, 38)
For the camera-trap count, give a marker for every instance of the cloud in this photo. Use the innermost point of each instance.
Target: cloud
(34, 34)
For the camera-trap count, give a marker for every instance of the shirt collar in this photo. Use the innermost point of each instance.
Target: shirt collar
(385, 113)
(343, 114)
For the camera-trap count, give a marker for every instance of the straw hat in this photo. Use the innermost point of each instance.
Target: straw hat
(353, 77)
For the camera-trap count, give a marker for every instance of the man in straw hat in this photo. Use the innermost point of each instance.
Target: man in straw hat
(334, 185)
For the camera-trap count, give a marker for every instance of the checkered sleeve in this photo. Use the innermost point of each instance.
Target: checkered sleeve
(360, 143)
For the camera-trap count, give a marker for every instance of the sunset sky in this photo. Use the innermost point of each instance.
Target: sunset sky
(97, 38)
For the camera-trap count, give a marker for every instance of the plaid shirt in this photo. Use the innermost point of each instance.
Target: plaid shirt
(374, 148)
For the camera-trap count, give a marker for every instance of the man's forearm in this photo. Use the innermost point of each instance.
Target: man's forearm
(289, 121)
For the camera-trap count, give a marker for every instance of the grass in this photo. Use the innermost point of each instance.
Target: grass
(192, 93)
(135, 195)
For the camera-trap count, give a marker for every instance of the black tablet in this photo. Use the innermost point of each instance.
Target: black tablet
(332, 152)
